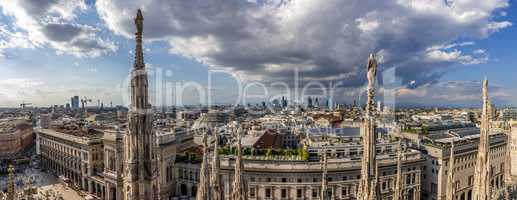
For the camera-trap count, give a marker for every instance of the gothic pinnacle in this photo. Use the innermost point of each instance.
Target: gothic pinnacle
(398, 181)
(237, 182)
(214, 181)
(367, 184)
(451, 187)
(139, 54)
(202, 192)
(507, 169)
(140, 176)
(324, 180)
(481, 188)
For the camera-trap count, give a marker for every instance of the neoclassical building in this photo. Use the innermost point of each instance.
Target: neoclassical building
(16, 136)
(76, 157)
(294, 178)
(93, 159)
(466, 140)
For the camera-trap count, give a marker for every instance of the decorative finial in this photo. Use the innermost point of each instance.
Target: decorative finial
(139, 21)
(139, 53)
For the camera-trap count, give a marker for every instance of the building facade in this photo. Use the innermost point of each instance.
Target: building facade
(465, 153)
(75, 159)
(16, 136)
(294, 178)
(291, 179)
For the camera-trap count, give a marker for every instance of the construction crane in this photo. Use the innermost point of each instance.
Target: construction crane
(84, 104)
(25, 104)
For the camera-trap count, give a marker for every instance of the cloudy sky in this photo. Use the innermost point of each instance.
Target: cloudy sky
(431, 52)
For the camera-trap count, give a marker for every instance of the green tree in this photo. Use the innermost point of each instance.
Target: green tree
(304, 154)
(269, 153)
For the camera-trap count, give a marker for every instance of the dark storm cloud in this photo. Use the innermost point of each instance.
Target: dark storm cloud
(61, 32)
(327, 41)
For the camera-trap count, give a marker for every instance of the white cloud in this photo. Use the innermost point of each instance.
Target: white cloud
(456, 56)
(51, 24)
(334, 37)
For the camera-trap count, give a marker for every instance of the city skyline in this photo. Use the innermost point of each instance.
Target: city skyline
(439, 52)
(279, 148)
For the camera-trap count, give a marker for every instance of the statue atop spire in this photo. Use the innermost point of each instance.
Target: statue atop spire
(139, 21)
(451, 186)
(139, 54)
(481, 189)
(368, 184)
(372, 76)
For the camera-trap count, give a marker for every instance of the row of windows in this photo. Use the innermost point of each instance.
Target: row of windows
(317, 178)
(67, 161)
(315, 192)
(188, 174)
(60, 147)
(97, 153)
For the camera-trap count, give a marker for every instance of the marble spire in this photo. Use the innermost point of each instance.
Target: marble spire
(202, 191)
(507, 168)
(140, 177)
(324, 179)
(368, 184)
(398, 180)
(237, 180)
(481, 190)
(214, 176)
(451, 186)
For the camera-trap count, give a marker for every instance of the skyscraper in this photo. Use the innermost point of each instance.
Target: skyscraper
(141, 176)
(74, 102)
